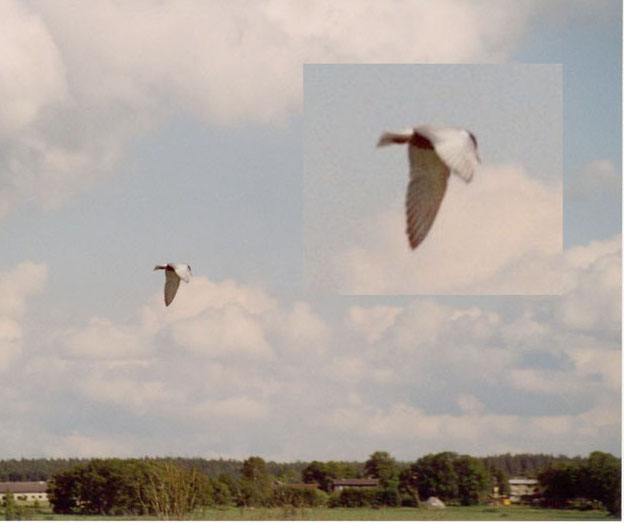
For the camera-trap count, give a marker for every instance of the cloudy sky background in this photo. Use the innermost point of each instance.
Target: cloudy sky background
(132, 135)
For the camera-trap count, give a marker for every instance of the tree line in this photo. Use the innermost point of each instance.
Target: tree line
(42, 469)
(175, 487)
(595, 478)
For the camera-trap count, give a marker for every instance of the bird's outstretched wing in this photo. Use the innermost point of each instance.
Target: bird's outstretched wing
(171, 286)
(428, 180)
(455, 148)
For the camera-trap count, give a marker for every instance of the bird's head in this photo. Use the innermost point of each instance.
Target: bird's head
(474, 141)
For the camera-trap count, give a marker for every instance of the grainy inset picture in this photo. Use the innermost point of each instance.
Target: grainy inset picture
(400, 220)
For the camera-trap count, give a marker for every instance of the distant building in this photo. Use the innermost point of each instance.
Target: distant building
(520, 487)
(340, 484)
(25, 490)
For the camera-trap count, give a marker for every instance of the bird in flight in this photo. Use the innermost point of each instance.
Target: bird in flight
(174, 272)
(434, 153)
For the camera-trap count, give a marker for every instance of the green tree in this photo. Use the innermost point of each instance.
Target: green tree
(323, 474)
(408, 484)
(175, 490)
(561, 481)
(254, 487)
(596, 478)
(472, 479)
(437, 476)
(448, 477)
(221, 492)
(130, 487)
(500, 479)
(10, 506)
(254, 469)
(600, 479)
(316, 472)
(382, 465)
(99, 487)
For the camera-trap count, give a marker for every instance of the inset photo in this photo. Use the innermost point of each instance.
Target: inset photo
(433, 179)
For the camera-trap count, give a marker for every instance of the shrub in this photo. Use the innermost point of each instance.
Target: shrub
(298, 497)
(334, 500)
(390, 497)
(355, 497)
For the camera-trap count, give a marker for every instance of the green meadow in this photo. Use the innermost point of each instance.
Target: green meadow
(475, 513)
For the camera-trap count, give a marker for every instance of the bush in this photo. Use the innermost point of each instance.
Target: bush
(355, 497)
(391, 497)
(298, 497)
(408, 501)
(334, 500)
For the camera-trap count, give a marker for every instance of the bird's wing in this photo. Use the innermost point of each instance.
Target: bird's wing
(182, 271)
(171, 286)
(455, 148)
(391, 137)
(428, 179)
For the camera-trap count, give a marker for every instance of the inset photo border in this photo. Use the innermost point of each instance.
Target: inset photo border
(483, 144)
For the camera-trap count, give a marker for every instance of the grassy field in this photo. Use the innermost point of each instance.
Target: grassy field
(513, 513)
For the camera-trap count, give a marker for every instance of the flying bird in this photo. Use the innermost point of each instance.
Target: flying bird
(174, 272)
(434, 153)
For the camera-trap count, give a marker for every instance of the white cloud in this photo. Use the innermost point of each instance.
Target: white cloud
(102, 339)
(346, 369)
(402, 427)
(371, 322)
(470, 404)
(592, 287)
(81, 445)
(543, 381)
(138, 397)
(230, 330)
(10, 342)
(239, 407)
(32, 69)
(16, 286)
(525, 330)
(421, 323)
(502, 234)
(303, 328)
(24, 280)
(427, 322)
(73, 102)
(604, 364)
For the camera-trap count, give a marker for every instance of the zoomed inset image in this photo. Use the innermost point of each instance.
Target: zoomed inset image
(433, 179)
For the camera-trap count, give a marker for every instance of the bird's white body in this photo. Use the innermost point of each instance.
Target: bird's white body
(434, 153)
(174, 272)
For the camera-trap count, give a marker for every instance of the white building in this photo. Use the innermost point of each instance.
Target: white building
(519, 487)
(25, 490)
(339, 484)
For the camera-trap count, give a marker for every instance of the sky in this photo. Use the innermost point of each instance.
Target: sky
(132, 136)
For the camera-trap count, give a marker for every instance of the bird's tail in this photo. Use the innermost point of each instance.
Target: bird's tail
(160, 267)
(391, 137)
